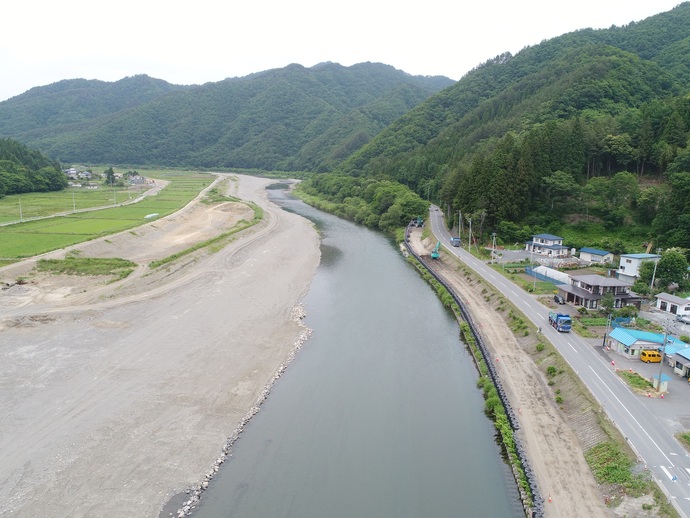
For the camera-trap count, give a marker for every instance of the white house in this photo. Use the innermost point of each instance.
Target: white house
(548, 245)
(593, 255)
(681, 364)
(629, 268)
(672, 304)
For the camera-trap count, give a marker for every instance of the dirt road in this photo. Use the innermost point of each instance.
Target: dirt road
(554, 452)
(117, 396)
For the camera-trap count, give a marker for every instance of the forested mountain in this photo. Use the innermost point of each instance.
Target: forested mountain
(591, 126)
(294, 118)
(26, 170)
(74, 104)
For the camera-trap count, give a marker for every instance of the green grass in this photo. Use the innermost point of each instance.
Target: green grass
(34, 205)
(635, 380)
(119, 268)
(31, 238)
(611, 465)
(684, 438)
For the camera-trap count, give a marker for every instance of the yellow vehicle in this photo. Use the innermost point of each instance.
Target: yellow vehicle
(650, 356)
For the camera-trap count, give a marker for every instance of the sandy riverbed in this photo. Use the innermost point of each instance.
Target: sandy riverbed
(118, 396)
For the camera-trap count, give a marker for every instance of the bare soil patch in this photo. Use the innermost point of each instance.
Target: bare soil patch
(117, 396)
(555, 451)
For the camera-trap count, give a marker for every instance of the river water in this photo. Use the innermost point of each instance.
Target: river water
(379, 415)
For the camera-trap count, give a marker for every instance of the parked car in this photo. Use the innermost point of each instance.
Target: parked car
(649, 356)
(558, 299)
(683, 319)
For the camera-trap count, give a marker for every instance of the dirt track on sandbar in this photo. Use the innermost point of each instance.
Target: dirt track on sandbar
(117, 396)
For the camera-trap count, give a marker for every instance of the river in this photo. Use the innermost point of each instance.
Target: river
(379, 415)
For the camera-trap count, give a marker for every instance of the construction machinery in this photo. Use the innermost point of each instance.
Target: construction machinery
(435, 254)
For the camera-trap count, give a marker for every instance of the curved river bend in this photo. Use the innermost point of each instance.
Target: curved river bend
(379, 415)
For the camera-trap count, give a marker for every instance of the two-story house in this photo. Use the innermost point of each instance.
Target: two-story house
(629, 268)
(588, 290)
(547, 245)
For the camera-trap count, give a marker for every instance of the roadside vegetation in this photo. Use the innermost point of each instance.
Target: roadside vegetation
(635, 381)
(610, 458)
(684, 438)
(493, 406)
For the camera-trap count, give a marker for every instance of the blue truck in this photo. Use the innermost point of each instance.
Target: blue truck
(560, 322)
(455, 241)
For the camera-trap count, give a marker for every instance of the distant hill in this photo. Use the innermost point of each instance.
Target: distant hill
(293, 118)
(591, 127)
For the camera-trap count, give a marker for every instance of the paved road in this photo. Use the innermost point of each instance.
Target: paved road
(647, 433)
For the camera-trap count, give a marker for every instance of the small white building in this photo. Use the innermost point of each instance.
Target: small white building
(672, 304)
(547, 245)
(594, 255)
(629, 268)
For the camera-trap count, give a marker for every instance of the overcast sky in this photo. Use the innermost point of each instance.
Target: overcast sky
(198, 41)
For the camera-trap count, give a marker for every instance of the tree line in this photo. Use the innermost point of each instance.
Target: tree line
(25, 170)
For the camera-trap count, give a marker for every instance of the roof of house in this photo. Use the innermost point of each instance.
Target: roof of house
(630, 336)
(685, 353)
(672, 298)
(641, 256)
(594, 251)
(599, 280)
(550, 237)
(676, 347)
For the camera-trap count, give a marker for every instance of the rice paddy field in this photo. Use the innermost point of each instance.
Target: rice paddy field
(62, 225)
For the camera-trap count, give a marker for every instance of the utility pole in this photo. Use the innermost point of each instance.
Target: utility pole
(469, 239)
(493, 246)
(651, 285)
(459, 224)
(20, 211)
(663, 350)
(608, 326)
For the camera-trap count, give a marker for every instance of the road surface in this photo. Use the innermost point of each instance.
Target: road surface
(646, 432)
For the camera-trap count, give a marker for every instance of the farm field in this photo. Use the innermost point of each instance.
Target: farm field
(38, 236)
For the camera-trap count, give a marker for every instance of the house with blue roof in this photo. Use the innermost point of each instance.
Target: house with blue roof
(630, 342)
(548, 245)
(629, 267)
(594, 255)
